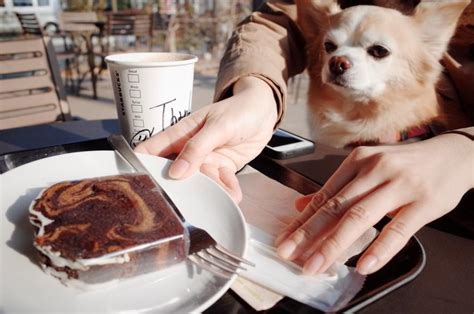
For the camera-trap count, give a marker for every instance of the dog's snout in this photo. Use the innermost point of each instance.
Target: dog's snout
(339, 64)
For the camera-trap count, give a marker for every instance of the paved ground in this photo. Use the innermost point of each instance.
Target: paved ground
(85, 107)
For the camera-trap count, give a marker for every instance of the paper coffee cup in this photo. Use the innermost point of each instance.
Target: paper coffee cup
(152, 91)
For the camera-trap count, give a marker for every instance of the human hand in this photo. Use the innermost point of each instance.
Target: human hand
(220, 138)
(414, 183)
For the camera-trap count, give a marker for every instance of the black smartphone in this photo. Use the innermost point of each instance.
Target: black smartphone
(284, 144)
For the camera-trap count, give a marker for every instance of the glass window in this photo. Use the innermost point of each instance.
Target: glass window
(22, 3)
(43, 3)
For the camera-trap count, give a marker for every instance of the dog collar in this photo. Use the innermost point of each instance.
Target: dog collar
(418, 133)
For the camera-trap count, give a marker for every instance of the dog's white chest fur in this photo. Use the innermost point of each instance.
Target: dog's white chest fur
(334, 128)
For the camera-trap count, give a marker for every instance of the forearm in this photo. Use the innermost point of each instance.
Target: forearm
(260, 92)
(267, 45)
(459, 145)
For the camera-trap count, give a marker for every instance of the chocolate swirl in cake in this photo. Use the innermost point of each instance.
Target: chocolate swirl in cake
(89, 218)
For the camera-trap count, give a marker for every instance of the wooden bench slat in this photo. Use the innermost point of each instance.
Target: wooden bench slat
(21, 65)
(29, 101)
(20, 46)
(30, 82)
(37, 116)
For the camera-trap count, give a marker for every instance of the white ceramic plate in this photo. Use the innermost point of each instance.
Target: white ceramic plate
(181, 288)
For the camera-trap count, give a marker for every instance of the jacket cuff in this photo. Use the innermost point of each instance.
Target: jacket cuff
(467, 132)
(226, 81)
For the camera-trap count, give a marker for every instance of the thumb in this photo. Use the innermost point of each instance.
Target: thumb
(195, 151)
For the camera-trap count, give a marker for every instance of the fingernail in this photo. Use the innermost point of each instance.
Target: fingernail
(281, 237)
(178, 168)
(314, 264)
(367, 264)
(286, 249)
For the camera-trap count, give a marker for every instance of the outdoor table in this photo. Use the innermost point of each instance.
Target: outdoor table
(446, 284)
(87, 34)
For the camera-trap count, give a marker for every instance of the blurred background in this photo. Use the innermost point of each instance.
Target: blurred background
(82, 33)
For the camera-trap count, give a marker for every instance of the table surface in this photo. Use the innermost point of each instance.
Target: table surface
(445, 285)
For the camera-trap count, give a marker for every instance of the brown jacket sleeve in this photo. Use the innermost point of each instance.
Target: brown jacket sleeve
(468, 132)
(461, 66)
(268, 45)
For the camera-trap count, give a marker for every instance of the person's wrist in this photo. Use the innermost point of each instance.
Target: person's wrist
(256, 89)
(463, 147)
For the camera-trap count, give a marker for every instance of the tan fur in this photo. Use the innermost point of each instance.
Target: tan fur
(409, 100)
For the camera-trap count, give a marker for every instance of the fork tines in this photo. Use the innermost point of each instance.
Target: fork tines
(219, 261)
(222, 250)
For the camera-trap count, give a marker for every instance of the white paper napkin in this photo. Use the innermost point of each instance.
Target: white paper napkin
(268, 207)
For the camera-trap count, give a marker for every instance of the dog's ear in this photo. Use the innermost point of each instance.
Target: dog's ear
(313, 15)
(437, 21)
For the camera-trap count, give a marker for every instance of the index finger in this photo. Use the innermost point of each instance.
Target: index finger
(171, 140)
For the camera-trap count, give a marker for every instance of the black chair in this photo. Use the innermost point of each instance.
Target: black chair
(68, 54)
(31, 90)
(137, 24)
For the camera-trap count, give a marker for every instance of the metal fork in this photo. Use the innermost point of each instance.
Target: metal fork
(204, 251)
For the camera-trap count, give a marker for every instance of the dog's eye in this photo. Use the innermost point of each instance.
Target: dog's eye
(329, 46)
(378, 51)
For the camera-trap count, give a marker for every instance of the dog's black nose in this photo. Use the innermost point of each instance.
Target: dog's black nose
(339, 64)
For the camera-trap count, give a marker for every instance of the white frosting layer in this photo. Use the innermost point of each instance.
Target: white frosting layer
(78, 284)
(81, 263)
(39, 220)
